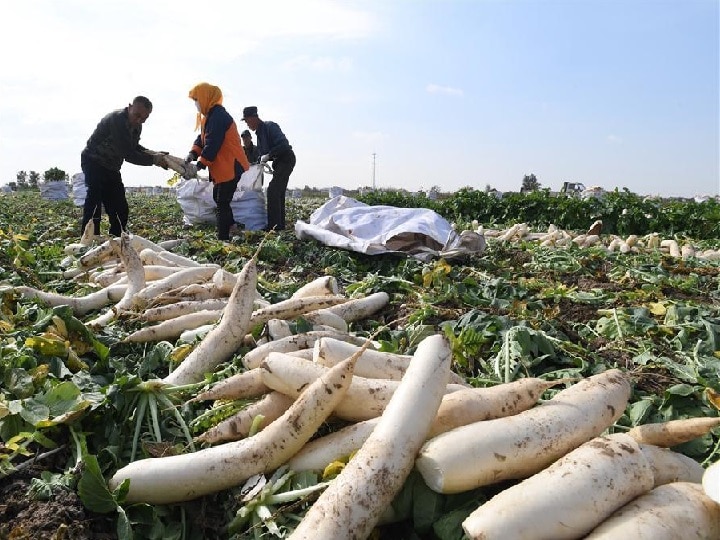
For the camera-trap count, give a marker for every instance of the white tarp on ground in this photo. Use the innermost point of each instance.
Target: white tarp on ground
(195, 199)
(54, 191)
(422, 233)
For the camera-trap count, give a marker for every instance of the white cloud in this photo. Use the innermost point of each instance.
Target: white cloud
(444, 90)
(614, 139)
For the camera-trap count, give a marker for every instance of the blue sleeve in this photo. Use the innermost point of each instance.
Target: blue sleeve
(216, 126)
(277, 141)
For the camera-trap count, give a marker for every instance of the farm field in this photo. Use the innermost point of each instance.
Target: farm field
(75, 406)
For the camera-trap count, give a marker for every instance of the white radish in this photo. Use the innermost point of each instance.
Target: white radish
(357, 309)
(98, 254)
(457, 409)
(353, 502)
(270, 407)
(674, 432)
(372, 364)
(254, 358)
(80, 305)
(325, 317)
(672, 247)
(669, 512)
(517, 446)
(170, 311)
(150, 256)
(294, 307)
(172, 329)
(366, 398)
(243, 385)
(669, 466)
(322, 286)
(184, 276)
(136, 282)
(568, 499)
(224, 339)
(184, 477)
(278, 329)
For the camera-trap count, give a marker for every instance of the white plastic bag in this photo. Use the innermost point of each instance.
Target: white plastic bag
(252, 179)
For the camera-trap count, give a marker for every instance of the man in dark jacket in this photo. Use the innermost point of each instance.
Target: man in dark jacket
(273, 146)
(116, 139)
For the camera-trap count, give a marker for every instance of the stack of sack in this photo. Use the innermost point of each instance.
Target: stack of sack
(54, 191)
(79, 189)
(248, 203)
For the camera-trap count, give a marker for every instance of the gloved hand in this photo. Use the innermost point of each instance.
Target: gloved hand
(200, 165)
(160, 160)
(265, 158)
(190, 171)
(192, 156)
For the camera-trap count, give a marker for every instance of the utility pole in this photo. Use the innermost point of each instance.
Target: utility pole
(373, 171)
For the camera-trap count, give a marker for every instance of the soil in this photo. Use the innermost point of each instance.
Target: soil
(62, 518)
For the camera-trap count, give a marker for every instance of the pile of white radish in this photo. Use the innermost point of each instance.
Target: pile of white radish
(566, 476)
(555, 237)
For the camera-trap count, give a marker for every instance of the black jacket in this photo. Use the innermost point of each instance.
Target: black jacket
(115, 141)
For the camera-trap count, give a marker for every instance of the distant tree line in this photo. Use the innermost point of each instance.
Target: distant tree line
(29, 180)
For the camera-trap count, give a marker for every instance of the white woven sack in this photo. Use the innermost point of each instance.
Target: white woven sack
(195, 199)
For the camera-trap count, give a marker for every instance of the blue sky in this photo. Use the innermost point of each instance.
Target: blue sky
(445, 93)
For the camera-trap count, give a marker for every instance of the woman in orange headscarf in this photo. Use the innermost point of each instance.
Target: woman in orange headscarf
(219, 148)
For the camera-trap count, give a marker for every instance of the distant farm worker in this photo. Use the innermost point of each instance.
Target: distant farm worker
(273, 146)
(251, 151)
(116, 139)
(218, 148)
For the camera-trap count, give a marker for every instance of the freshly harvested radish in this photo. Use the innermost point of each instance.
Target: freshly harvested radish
(184, 276)
(372, 364)
(357, 309)
(183, 477)
(80, 305)
(295, 342)
(243, 385)
(325, 317)
(353, 502)
(170, 311)
(270, 407)
(223, 340)
(366, 398)
(569, 498)
(711, 481)
(680, 510)
(669, 466)
(294, 307)
(136, 282)
(322, 286)
(517, 446)
(674, 432)
(171, 329)
(456, 409)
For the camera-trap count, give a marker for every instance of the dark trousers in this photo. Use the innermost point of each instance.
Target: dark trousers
(104, 188)
(222, 195)
(282, 168)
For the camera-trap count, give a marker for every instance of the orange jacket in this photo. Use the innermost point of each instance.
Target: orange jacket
(220, 148)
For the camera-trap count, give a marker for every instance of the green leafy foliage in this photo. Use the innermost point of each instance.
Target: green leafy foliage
(514, 311)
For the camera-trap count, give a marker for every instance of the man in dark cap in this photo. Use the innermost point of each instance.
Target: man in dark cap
(273, 146)
(251, 150)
